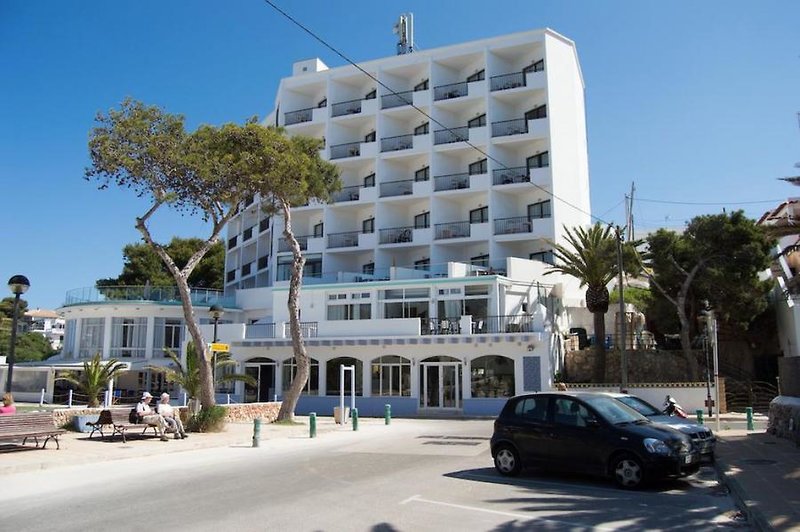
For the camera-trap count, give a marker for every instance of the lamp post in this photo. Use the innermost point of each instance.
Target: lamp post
(216, 311)
(18, 285)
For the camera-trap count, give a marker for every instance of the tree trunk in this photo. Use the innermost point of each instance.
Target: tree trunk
(686, 343)
(599, 371)
(204, 354)
(301, 360)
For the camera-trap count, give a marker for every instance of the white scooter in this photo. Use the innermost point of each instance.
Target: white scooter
(672, 408)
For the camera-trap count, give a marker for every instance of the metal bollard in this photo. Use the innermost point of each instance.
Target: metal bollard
(354, 415)
(749, 411)
(699, 413)
(387, 414)
(256, 431)
(312, 425)
(69, 399)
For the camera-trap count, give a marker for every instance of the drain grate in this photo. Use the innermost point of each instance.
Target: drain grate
(758, 461)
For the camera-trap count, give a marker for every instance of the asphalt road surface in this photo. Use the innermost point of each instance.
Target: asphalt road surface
(413, 475)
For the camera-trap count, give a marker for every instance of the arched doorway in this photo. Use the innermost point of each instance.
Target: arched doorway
(263, 370)
(440, 383)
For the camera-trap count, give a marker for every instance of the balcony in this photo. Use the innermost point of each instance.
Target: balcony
(296, 117)
(450, 182)
(156, 294)
(399, 99)
(450, 91)
(517, 126)
(509, 226)
(507, 176)
(346, 194)
(404, 187)
(396, 235)
(400, 142)
(350, 149)
(507, 81)
(347, 239)
(451, 230)
(350, 107)
(259, 330)
(448, 136)
(283, 244)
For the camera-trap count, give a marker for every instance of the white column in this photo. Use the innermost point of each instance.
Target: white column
(107, 334)
(149, 336)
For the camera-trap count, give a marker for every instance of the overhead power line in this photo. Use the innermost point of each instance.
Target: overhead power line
(723, 203)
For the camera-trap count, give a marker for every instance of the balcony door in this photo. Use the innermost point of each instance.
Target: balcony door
(263, 370)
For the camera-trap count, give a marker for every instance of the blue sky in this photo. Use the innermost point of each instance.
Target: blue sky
(694, 101)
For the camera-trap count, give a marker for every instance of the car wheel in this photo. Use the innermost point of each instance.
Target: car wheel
(506, 461)
(628, 471)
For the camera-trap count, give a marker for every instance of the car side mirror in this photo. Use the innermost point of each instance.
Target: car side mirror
(592, 422)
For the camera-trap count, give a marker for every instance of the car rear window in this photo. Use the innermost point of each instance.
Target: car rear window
(531, 408)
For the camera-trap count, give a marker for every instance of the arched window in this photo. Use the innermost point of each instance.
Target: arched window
(332, 380)
(492, 376)
(290, 370)
(391, 376)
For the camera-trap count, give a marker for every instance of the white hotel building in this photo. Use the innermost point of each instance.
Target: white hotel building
(459, 166)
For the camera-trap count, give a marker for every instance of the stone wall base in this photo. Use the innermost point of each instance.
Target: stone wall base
(784, 418)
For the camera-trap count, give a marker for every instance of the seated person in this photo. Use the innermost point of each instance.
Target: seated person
(172, 419)
(145, 414)
(8, 407)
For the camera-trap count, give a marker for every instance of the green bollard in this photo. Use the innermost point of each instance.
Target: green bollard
(387, 414)
(699, 413)
(256, 431)
(354, 415)
(312, 425)
(749, 411)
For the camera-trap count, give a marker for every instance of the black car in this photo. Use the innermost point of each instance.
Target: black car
(589, 433)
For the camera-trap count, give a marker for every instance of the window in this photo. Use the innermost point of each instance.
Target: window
(536, 112)
(479, 216)
(406, 303)
(290, 370)
(369, 181)
(391, 376)
(368, 226)
(540, 160)
(540, 209)
(543, 256)
(492, 376)
(478, 167)
(480, 260)
(128, 337)
(368, 268)
(313, 267)
(422, 129)
(477, 76)
(532, 409)
(422, 264)
(69, 338)
(322, 103)
(421, 86)
(263, 225)
(478, 121)
(423, 174)
(371, 95)
(319, 230)
(422, 221)
(360, 311)
(167, 336)
(332, 380)
(369, 137)
(569, 412)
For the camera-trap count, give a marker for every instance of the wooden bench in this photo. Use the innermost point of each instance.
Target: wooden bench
(32, 425)
(116, 422)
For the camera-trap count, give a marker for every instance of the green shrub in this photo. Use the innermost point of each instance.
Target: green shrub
(208, 420)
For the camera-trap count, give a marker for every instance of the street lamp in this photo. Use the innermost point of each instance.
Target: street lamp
(18, 285)
(216, 311)
(710, 322)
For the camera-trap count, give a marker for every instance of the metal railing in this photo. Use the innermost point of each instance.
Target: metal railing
(448, 136)
(283, 244)
(506, 176)
(301, 115)
(509, 226)
(159, 294)
(395, 235)
(398, 99)
(509, 127)
(452, 90)
(450, 181)
(436, 326)
(451, 230)
(347, 239)
(400, 142)
(346, 194)
(349, 149)
(309, 329)
(349, 107)
(259, 330)
(506, 324)
(396, 188)
(507, 81)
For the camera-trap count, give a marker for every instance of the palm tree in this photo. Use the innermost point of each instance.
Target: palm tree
(95, 376)
(593, 261)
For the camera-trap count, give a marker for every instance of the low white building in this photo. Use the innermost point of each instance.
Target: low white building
(48, 323)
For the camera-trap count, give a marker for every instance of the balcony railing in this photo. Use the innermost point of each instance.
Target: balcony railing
(347, 239)
(436, 326)
(349, 107)
(509, 226)
(451, 230)
(350, 149)
(509, 127)
(506, 324)
(309, 329)
(448, 136)
(397, 188)
(259, 330)
(346, 194)
(283, 244)
(301, 115)
(450, 181)
(397, 100)
(507, 176)
(157, 294)
(395, 235)
(400, 142)
(507, 81)
(452, 90)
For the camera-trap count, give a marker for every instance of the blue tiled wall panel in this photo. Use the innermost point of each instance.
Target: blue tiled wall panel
(532, 374)
(367, 406)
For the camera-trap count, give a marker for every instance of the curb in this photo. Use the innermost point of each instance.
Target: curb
(754, 515)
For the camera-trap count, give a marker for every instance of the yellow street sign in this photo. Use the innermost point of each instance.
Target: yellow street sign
(219, 348)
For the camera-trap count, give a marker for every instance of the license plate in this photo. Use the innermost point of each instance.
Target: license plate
(687, 459)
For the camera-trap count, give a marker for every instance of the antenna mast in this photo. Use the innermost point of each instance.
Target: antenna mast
(404, 29)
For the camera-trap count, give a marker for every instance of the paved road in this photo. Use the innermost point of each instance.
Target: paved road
(419, 475)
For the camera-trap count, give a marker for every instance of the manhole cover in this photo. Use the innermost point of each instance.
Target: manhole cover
(758, 461)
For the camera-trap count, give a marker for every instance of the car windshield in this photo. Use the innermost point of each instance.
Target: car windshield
(641, 406)
(613, 411)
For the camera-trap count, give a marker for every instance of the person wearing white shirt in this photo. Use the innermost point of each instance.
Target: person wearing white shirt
(146, 415)
(173, 421)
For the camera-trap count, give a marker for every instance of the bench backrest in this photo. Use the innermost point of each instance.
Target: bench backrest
(28, 421)
(119, 416)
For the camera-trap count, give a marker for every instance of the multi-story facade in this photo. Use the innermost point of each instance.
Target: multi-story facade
(48, 323)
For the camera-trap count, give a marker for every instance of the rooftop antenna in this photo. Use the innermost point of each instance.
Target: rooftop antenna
(404, 29)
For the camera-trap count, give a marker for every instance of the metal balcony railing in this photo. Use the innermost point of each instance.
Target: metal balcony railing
(296, 117)
(509, 127)
(399, 99)
(507, 324)
(283, 244)
(343, 240)
(509, 226)
(259, 330)
(157, 294)
(452, 90)
(346, 194)
(396, 235)
(435, 326)
(451, 230)
(350, 149)
(309, 329)
(506, 176)
(450, 181)
(507, 81)
(349, 107)
(400, 142)
(448, 136)
(397, 188)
